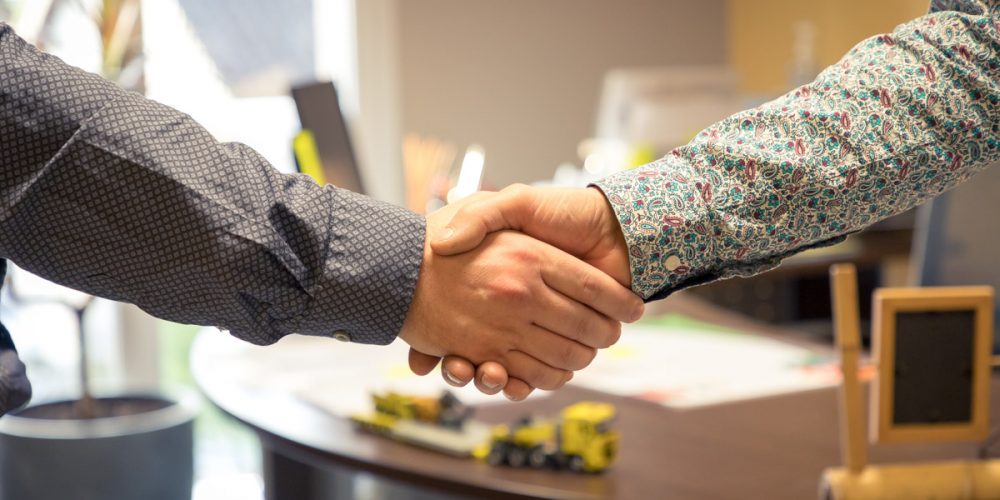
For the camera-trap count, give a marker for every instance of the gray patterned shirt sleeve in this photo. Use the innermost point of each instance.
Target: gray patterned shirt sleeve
(108, 192)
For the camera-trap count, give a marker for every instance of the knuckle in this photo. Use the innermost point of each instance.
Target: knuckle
(584, 330)
(461, 214)
(615, 333)
(510, 291)
(589, 287)
(570, 356)
(516, 189)
(579, 356)
(599, 332)
(520, 193)
(496, 348)
(517, 389)
(535, 375)
(588, 357)
(606, 334)
(578, 330)
(523, 256)
(553, 379)
(562, 378)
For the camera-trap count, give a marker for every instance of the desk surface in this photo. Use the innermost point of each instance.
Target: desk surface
(767, 448)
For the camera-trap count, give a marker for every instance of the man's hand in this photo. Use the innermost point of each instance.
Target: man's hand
(535, 309)
(579, 221)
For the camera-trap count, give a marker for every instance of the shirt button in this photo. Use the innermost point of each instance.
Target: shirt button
(342, 336)
(673, 262)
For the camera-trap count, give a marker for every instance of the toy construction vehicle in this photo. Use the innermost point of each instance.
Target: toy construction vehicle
(445, 411)
(440, 424)
(580, 440)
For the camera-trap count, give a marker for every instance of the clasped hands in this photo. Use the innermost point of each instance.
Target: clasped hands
(519, 288)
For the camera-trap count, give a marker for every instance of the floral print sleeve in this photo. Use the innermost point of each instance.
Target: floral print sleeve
(900, 119)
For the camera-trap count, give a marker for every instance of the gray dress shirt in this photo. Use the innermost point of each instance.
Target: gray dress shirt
(107, 192)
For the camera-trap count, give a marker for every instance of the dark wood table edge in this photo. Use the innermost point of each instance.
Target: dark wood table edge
(309, 456)
(320, 460)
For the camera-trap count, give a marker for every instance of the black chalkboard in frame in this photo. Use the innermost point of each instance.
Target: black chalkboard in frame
(933, 349)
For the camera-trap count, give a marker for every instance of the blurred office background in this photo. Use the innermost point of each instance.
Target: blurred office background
(546, 90)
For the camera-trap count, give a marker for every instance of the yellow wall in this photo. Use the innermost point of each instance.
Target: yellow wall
(760, 33)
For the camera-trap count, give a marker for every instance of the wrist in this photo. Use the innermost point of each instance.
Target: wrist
(611, 232)
(410, 332)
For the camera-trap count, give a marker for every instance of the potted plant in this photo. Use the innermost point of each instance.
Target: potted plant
(100, 447)
(122, 446)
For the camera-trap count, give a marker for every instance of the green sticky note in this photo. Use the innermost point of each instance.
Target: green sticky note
(682, 322)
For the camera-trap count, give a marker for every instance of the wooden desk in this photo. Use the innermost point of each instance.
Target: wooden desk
(770, 448)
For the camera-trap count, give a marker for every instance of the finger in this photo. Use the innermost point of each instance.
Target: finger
(575, 321)
(491, 377)
(477, 218)
(457, 371)
(589, 286)
(554, 349)
(421, 363)
(534, 372)
(517, 389)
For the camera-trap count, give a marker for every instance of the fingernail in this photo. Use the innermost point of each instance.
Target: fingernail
(508, 396)
(446, 233)
(488, 385)
(451, 379)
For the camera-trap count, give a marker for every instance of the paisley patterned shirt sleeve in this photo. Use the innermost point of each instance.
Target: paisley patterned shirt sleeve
(901, 118)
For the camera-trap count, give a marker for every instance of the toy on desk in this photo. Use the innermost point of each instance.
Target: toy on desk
(580, 440)
(932, 347)
(441, 424)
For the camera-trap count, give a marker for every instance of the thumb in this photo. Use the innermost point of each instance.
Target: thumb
(421, 363)
(463, 233)
(477, 218)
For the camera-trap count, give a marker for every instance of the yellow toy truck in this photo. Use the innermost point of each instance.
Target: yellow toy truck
(441, 424)
(446, 411)
(581, 440)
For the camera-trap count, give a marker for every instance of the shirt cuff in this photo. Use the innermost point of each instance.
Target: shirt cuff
(373, 260)
(676, 238)
(667, 225)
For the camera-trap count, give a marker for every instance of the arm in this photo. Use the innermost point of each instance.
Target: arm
(108, 192)
(105, 191)
(900, 119)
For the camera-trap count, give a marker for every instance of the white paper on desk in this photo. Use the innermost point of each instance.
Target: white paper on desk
(335, 376)
(686, 367)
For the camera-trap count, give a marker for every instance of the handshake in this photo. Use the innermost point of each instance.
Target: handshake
(519, 288)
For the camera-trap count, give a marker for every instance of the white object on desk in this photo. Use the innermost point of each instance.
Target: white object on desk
(334, 376)
(679, 367)
(688, 367)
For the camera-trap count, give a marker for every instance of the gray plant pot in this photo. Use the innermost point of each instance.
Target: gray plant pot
(144, 451)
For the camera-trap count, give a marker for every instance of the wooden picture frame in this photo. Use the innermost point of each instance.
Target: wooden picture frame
(927, 309)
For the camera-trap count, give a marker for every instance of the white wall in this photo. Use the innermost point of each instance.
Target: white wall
(523, 77)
